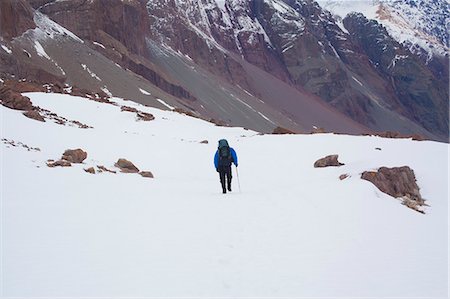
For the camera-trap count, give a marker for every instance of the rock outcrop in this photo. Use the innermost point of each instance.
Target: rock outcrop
(399, 182)
(16, 17)
(102, 168)
(34, 114)
(281, 130)
(331, 160)
(126, 166)
(61, 163)
(146, 174)
(14, 100)
(144, 116)
(90, 170)
(74, 155)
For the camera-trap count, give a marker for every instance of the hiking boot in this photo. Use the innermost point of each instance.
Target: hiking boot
(224, 191)
(229, 188)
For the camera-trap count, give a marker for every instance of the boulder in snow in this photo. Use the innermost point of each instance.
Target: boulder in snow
(204, 141)
(146, 174)
(90, 170)
(126, 166)
(74, 155)
(14, 100)
(331, 160)
(61, 163)
(145, 116)
(34, 114)
(399, 182)
(343, 176)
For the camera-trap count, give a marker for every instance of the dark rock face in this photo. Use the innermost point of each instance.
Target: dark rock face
(423, 98)
(125, 21)
(321, 58)
(399, 182)
(171, 23)
(16, 17)
(121, 26)
(331, 160)
(301, 45)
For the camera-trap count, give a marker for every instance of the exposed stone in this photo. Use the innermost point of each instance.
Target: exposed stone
(204, 141)
(331, 160)
(34, 114)
(126, 166)
(128, 109)
(62, 163)
(103, 168)
(140, 114)
(146, 174)
(90, 170)
(14, 100)
(145, 116)
(281, 130)
(24, 86)
(74, 155)
(343, 176)
(392, 134)
(399, 182)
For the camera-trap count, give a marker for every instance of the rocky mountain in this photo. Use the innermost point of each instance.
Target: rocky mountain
(258, 64)
(301, 44)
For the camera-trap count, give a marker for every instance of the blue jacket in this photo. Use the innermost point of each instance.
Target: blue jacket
(233, 155)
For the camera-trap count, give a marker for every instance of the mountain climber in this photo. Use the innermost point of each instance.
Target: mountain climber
(225, 155)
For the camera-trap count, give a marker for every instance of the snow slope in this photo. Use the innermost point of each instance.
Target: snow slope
(291, 229)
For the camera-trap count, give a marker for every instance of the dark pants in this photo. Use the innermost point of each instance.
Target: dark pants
(225, 171)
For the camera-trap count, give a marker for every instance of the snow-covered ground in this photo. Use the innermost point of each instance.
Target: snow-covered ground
(290, 229)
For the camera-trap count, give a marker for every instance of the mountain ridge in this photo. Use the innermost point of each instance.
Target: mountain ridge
(296, 42)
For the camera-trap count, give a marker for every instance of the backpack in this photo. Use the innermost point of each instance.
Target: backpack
(225, 158)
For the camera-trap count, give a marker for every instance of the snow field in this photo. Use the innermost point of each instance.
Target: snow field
(293, 230)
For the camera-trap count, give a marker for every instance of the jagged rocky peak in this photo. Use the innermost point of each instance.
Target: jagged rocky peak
(421, 94)
(419, 25)
(429, 16)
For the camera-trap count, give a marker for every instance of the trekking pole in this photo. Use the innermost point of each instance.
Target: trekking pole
(239, 183)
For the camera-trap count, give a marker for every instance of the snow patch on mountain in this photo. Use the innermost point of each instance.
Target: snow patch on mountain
(416, 24)
(91, 73)
(40, 51)
(143, 91)
(47, 28)
(6, 49)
